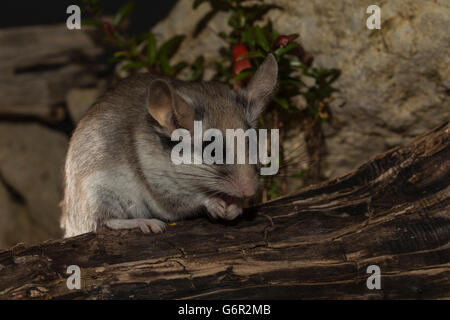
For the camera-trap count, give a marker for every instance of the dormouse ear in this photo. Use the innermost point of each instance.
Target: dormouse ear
(261, 87)
(168, 108)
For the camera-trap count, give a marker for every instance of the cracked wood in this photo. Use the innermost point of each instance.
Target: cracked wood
(393, 212)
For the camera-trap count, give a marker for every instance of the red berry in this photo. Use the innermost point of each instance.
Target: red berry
(238, 66)
(237, 51)
(283, 41)
(108, 29)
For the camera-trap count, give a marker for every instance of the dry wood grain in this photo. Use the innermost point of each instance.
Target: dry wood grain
(393, 211)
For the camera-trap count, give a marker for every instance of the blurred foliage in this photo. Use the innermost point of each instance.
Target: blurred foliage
(139, 51)
(251, 38)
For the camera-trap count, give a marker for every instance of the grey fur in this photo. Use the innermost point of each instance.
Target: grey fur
(118, 170)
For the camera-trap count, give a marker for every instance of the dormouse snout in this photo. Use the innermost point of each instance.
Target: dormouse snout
(245, 181)
(247, 188)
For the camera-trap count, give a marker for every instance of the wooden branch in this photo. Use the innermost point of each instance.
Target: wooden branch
(392, 212)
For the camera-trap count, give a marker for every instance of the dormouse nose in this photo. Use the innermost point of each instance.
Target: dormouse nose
(247, 188)
(246, 182)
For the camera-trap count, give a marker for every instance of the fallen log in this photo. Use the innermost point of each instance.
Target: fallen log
(392, 212)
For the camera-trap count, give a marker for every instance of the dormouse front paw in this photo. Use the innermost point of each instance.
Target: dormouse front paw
(227, 209)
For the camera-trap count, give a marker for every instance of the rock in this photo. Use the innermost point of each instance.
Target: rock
(79, 101)
(39, 94)
(207, 43)
(31, 175)
(43, 69)
(38, 66)
(395, 81)
(43, 46)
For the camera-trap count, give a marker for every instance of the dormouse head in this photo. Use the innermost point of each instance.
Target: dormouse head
(205, 122)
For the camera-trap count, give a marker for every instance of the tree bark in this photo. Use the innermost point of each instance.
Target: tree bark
(392, 212)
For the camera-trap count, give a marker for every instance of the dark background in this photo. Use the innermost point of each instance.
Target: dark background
(34, 12)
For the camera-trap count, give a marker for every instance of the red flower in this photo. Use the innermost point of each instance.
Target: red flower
(283, 41)
(108, 29)
(238, 50)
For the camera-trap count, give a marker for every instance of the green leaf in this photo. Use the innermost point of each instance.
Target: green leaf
(282, 102)
(251, 55)
(296, 64)
(201, 24)
(120, 54)
(151, 49)
(178, 67)
(133, 65)
(274, 189)
(293, 81)
(91, 22)
(334, 74)
(233, 20)
(261, 39)
(119, 40)
(241, 21)
(132, 47)
(123, 13)
(313, 72)
(300, 174)
(274, 35)
(244, 75)
(197, 69)
(280, 51)
(170, 47)
(233, 41)
(310, 95)
(325, 91)
(165, 66)
(248, 37)
(257, 11)
(222, 73)
(92, 6)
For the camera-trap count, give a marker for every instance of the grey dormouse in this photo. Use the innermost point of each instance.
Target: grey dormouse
(118, 170)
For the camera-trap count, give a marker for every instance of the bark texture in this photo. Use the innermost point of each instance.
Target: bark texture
(393, 212)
